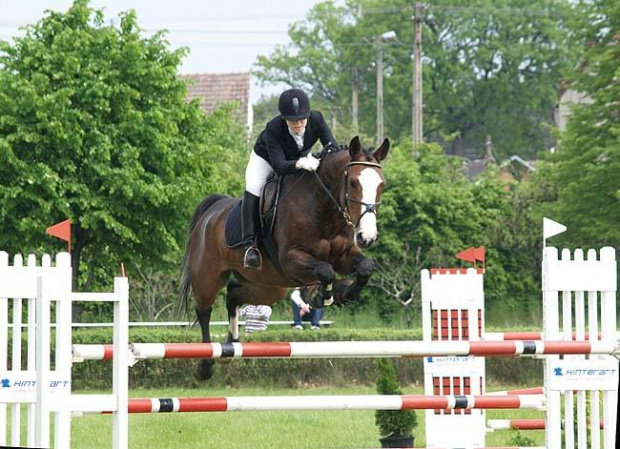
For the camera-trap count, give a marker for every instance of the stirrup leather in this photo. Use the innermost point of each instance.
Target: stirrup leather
(249, 252)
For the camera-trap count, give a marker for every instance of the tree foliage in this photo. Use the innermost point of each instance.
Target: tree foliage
(94, 127)
(582, 178)
(491, 68)
(430, 211)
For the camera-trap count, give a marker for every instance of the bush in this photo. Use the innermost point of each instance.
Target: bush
(392, 422)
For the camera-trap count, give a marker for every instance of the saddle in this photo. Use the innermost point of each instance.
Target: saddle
(268, 209)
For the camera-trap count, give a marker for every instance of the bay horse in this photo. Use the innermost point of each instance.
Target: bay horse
(323, 221)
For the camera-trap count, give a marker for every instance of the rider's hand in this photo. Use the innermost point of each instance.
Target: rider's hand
(309, 163)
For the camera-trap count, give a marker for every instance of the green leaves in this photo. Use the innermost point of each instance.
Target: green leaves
(584, 172)
(94, 126)
(489, 68)
(392, 422)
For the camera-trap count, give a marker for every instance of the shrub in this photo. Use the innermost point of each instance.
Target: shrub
(392, 422)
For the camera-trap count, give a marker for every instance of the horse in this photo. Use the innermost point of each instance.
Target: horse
(323, 221)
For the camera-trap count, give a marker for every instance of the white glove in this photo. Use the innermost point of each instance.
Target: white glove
(309, 163)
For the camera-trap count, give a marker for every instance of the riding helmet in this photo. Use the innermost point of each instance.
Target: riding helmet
(294, 104)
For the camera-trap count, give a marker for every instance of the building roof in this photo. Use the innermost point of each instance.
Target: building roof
(514, 162)
(216, 89)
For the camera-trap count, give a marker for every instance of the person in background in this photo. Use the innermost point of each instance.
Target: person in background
(256, 317)
(303, 312)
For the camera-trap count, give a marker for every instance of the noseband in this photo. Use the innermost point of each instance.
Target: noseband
(344, 210)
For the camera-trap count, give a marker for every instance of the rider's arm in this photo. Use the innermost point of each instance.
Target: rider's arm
(296, 298)
(277, 156)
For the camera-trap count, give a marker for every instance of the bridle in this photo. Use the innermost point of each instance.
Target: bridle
(344, 210)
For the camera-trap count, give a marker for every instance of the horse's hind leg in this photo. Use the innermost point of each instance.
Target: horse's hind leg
(204, 370)
(210, 286)
(234, 299)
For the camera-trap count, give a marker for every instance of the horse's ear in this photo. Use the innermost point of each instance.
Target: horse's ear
(354, 147)
(382, 152)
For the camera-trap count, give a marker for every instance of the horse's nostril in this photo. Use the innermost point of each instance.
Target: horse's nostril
(363, 242)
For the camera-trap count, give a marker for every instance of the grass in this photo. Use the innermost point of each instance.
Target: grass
(258, 430)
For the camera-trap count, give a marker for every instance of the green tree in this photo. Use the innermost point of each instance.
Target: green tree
(428, 214)
(430, 211)
(490, 67)
(94, 126)
(583, 174)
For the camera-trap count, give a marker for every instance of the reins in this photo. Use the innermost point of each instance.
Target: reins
(344, 211)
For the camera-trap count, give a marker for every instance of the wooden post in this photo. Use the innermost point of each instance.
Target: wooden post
(416, 126)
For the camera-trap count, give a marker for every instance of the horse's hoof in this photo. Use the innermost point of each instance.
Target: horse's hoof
(204, 370)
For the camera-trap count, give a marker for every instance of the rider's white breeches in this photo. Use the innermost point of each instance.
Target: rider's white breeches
(256, 174)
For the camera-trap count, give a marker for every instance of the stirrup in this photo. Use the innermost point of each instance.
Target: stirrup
(252, 258)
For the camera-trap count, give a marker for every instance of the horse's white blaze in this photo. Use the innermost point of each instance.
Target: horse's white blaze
(369, 180)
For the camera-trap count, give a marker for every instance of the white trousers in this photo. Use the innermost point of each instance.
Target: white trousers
(256, 174)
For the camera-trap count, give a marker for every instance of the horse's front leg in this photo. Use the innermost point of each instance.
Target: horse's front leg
(233, 301)
(306, 269)
(362, 267)
(353, 262)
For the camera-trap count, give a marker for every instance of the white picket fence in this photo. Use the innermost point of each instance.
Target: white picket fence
(43, 387)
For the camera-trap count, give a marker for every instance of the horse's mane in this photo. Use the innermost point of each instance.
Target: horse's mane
(330, 149)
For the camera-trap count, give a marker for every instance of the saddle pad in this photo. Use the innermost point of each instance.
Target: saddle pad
(233, 227)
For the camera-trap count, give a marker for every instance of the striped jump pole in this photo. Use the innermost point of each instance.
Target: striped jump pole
(349, 349)
(505, 336)
(359, 402)
(520, 424)
(534, 390)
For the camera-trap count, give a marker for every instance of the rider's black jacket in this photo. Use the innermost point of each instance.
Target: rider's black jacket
(276, 145)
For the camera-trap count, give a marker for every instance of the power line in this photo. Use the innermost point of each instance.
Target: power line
(189, 30)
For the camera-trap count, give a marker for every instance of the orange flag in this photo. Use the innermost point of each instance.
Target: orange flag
(62, 231)
(468, 255)
(479, 254)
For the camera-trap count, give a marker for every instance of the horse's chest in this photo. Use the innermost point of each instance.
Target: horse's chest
(339, 247)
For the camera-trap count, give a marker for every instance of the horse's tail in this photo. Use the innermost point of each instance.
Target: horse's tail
(185, 282)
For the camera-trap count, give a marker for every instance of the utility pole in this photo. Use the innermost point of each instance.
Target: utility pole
(379, 90)
(355, 102)
(416, 120)
(388, 35)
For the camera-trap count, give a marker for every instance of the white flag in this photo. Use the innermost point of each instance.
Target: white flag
(551, 228)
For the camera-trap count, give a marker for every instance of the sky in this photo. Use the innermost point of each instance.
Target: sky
(222, 35)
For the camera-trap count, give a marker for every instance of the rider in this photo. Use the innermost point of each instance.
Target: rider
(284, 147)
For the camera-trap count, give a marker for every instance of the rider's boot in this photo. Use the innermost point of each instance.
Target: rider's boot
(249, 217)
